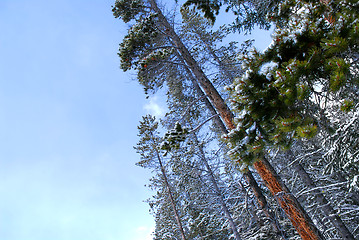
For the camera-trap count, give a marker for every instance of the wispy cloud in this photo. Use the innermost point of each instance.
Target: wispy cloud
(144, 233)
(154, 108)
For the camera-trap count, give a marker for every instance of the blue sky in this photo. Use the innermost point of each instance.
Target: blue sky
(68, 118)
(68, 122)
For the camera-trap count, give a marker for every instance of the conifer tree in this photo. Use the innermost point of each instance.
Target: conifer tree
(200, 208)
(308, 58)
(193, 115)
(288, 202)
(137, 52)
(300, 170)
(208, 42)
(273, 95)
(151, 158)
(228, 67)
(248, 13)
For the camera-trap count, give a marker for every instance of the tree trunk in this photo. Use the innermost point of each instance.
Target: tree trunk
(295, 212)
(218, 191)
(211, 92)
(263, 204)
(208, 104)
(248, 174)
(170, 195)
(287, 201)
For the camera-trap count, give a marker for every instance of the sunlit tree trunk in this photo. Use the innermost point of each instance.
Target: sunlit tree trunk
(261, 199)
(297, 215)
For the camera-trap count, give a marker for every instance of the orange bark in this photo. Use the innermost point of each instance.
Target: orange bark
(288, 202)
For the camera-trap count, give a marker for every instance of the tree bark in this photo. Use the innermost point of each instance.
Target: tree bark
(295, 212)
(248, 174)
(211, 92)
(297, 215)
(261, 199)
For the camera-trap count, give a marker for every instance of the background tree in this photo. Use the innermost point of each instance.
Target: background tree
(150, 157)
(248, 13)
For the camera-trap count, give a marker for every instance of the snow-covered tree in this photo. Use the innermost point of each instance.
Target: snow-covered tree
(287, 91)
(147, 147)
(139, 44)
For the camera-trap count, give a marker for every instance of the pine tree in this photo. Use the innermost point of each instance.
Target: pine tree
(342, 148)
(288, 202)
(200, 157)
(199, 29)
(209, 43)
(325, 196)
(309, 58)
(347, 105)
(147, 147)
(273, 95)
(248, 13)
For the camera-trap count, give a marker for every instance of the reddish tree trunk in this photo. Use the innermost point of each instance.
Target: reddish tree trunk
(287, 201)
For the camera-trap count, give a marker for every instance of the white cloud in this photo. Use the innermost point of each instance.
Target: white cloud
(154, 108)
(144, 233)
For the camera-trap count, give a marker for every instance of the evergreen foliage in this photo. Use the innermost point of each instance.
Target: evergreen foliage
(309, 56)
(145, 46)
(127, 9)
(303, 86)
(248, 13)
